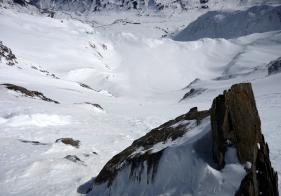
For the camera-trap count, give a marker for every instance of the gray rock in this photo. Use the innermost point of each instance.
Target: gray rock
(274, 66)
(160, 134)
(29, 93)
(235, 121)
(69, 141)
(7, 55)
(193, 92)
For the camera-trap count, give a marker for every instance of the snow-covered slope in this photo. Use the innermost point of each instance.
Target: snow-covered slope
(124, 65)
(228, 25)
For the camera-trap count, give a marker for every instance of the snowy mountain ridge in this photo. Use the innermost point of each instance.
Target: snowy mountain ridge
(75, 93)
(88, 6)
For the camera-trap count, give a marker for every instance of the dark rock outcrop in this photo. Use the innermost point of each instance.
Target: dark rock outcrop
(20, 2)
(95, 105)
(32, 142)
(47, 73)
(7, 55)
(69, 141)
(74, 159)
(235, 128)
(29, 93)
(192, 93)
(86, 86)
(274, 66)
(235, 122)
(157, 135)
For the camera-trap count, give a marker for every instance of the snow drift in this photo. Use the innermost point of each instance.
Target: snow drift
(226, 24)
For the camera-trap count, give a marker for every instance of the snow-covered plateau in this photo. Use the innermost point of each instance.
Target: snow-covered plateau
(107, 78)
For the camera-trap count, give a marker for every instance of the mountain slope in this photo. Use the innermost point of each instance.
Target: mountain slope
(88, 6)
(115, 75)
(185, 156)
(229, 25)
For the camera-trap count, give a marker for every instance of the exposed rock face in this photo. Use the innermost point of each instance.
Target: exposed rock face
(85, 86)
(95, 105)
(235, 122)
(187, 156)
(29, 93)
(193, 92)
(6, 55)
(75, 159)
(274, 66)
(160, 134)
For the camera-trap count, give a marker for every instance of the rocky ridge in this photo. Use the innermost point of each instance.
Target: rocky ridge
(234, 123)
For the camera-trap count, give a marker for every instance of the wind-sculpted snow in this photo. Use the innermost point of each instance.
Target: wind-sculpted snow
(227, 24)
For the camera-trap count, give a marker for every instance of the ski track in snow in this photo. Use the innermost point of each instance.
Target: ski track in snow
(139, 92)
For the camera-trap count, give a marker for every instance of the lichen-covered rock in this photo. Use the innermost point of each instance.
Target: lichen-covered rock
(235, 122)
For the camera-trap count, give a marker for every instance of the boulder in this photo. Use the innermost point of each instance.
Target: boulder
(69, 141)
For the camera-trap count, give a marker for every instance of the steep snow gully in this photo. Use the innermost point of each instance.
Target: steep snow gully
(80, 81)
